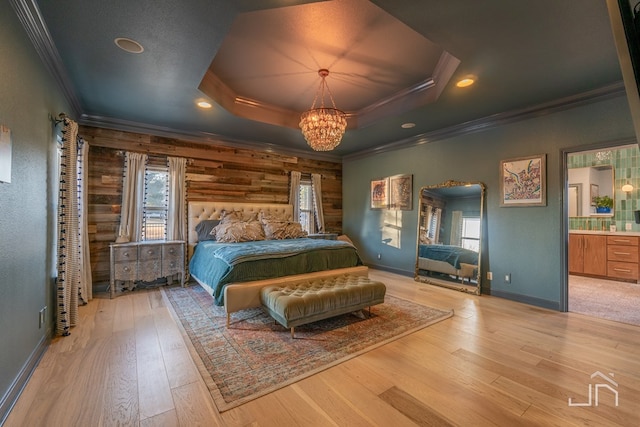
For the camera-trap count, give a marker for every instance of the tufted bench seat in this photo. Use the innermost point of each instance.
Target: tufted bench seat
(307, 301)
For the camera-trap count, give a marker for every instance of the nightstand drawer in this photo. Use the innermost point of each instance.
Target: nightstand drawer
(129, 253)
(150, 252)
(125, 270)
(622, 270)
(171, 267)
(172, 252)
(622, 253)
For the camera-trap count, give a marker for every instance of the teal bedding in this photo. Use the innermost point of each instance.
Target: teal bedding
(218, 264)
(454, 255)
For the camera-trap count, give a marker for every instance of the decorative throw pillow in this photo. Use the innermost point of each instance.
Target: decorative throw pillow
(276, 230)
(238, 216)
(204, 228)
(238, 231)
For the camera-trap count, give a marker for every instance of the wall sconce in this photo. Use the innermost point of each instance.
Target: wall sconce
(627, 188)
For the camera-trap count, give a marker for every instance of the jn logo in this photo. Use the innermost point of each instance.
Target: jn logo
(609, 385)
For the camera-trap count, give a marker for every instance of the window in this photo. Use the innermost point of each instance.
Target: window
(305, 200)
(154, 219)
(471, 233)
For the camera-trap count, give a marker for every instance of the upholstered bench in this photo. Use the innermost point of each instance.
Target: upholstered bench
(307, 301)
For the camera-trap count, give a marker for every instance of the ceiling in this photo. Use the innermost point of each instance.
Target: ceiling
(390, 61)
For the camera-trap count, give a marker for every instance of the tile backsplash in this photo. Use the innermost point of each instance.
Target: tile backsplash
(625, 161)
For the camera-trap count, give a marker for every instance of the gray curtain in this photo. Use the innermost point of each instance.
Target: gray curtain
(177, 216)
(316, 185)
(74, 266)
(132, 198)
(294, 194)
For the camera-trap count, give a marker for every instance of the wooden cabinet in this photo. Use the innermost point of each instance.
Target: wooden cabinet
(146, 261)
(576, 253)
(622, 257)
(588, 254)
(611, 256)
(595, 255)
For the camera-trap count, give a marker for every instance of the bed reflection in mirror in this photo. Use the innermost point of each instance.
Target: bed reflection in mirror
(450, 235)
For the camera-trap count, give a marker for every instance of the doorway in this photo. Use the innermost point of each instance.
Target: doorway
(603, 250)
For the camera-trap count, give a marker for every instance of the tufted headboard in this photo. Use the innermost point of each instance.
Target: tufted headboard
(199, 211)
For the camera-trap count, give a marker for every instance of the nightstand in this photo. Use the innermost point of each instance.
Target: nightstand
(146, 261)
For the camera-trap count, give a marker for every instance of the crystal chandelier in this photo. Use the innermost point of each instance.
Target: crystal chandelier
(323, 127)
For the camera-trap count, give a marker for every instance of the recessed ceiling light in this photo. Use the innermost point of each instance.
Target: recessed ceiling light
(467, 81)
(203, 104)
(407, 125)
(128, 45)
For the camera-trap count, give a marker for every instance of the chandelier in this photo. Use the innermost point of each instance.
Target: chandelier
(323, 127)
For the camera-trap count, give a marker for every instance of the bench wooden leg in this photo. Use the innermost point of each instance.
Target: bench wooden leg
(292, 337)
(228, 319)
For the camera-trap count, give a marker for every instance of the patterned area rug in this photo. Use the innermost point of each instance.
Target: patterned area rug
(255, 356)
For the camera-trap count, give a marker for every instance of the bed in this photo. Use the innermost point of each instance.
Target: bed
(234, 273)
(447, 259)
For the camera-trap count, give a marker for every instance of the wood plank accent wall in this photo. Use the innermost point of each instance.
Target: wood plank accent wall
(214, 172)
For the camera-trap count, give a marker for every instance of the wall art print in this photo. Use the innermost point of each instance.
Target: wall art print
(380, 193)
(522, 181)
(400, 192)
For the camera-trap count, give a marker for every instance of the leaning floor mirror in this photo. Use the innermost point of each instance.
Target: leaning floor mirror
(450, 235)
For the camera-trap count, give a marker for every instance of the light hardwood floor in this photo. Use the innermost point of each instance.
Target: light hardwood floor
(495, 362)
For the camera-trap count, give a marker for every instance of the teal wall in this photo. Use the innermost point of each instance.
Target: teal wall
(28, 96)
(527, 242)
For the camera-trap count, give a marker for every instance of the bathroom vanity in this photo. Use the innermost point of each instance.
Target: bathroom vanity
(610, 255)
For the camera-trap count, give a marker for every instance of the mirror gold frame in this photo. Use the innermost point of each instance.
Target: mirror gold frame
(439, 262)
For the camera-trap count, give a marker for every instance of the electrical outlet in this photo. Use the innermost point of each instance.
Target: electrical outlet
(379, 256)
(489, 275)
(507, 278)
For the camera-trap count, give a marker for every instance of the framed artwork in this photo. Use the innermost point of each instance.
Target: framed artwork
(522, 181)
(595, 192)
(400, 192)
(380, 193)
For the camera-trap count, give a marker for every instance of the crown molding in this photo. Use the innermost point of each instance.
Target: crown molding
(202, 137)
(29, 15)
(607, 92)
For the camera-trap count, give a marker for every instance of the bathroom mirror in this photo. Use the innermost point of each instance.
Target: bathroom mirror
(587, 183)
(450, 235)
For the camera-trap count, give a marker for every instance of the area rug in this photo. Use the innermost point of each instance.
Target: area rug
(255, 356)
(606, 299)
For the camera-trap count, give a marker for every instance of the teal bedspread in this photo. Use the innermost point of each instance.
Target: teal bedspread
(218, 264)
(454, 255)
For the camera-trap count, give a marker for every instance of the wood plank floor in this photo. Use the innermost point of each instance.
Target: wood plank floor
(495, 363)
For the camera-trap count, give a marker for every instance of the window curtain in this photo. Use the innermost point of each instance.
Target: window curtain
(73, 286)
(456, 228)
(294, 193)
(176, 206)
(132, 198)
(316, 185)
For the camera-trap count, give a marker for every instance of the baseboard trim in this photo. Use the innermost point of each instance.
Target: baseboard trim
(11, 396)
(391, 270)
(538, 302)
